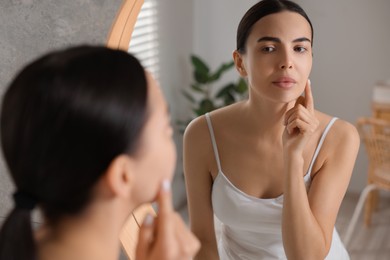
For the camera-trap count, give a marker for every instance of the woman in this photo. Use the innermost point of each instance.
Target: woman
(272, 168)
(87, 137)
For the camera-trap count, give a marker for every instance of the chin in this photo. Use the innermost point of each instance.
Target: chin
(292, 97)
(284, 100)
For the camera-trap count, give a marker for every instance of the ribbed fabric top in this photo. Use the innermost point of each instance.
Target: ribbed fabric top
(251, 226)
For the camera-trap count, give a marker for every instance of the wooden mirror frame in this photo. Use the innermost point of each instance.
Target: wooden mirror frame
(122, 28)
(119, 38)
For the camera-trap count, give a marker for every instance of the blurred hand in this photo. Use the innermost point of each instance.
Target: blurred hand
(166, 237)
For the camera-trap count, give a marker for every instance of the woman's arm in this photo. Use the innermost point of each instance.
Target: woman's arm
(308, 219)
(197, 153)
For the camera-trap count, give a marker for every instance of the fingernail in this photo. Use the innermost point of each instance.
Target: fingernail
(309, 81)
(148, 220)
(166, 185)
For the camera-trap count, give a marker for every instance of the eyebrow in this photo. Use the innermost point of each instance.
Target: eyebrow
(274, 39)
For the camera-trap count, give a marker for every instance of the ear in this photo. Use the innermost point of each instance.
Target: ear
(239, 63)
(119, 177)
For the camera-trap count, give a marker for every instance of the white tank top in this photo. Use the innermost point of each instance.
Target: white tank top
(251, 227)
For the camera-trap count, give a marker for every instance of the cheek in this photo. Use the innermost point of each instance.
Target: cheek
(308, 63)
(304, 69)
(158, 163)
(167, 159)
(173, 157)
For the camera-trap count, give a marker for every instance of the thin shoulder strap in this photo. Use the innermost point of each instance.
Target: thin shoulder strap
(215, 148)
(324, 134)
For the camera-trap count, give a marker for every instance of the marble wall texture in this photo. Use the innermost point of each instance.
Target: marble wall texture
(29, 28)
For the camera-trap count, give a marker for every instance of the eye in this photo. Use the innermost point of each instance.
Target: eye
(300, 49)
(268, 49)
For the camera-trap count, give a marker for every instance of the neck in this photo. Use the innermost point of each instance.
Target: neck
(92, 235)
(266, 116)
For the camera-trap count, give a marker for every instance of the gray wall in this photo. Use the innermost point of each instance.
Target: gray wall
(29, 28)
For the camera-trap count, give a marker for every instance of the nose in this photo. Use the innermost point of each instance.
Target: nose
(288, 65)
(286, 61)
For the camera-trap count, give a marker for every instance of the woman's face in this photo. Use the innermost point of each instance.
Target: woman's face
(156, 158)
(278, 56)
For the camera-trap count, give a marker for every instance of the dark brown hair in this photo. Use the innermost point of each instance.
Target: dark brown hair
(64, 118)
(261, 9)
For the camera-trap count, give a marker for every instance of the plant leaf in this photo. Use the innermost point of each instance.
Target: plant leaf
(197, 88)
(225, 90)
(229, 99)
(206, 105)
(199, 64)
(188, 96)
(224, 67)
(201, 70)
(201, 78)
(241, 86)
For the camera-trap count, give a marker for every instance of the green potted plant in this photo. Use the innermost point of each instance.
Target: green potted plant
(202, 96)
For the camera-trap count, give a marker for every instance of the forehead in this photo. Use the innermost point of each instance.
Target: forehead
(286, 24)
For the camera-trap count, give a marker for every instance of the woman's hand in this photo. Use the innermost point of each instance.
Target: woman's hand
(300, 122)
(166, 237)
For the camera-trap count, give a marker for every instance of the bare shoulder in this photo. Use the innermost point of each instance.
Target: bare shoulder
(344, 133)
(339, 150)
(196, 130)
(341, 131)
(197, 148)
(199, 128)
(342, 140)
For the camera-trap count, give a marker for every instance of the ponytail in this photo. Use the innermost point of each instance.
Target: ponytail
(16, 235)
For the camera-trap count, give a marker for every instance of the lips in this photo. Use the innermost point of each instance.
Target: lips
(284, 82)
